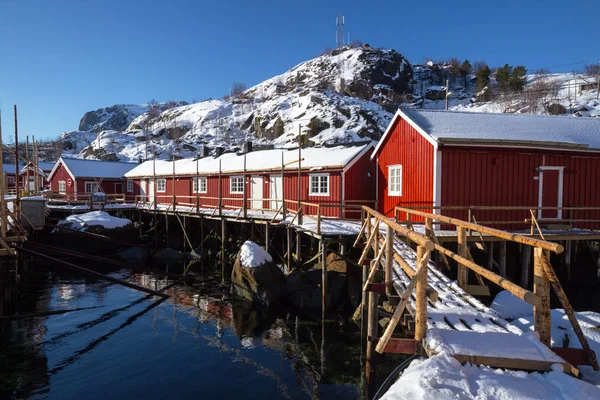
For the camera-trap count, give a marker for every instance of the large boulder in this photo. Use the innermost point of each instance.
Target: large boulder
(303, 289)
(255, 277)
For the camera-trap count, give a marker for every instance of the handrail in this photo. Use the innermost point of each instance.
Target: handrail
(554, 247)
(412, 235)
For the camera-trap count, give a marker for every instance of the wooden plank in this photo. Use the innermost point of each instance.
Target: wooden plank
(463, 273)
(573, 356)
(509, 363)
(402, 346)
(477, 290)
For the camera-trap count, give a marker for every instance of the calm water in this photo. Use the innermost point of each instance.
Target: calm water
(196, 344)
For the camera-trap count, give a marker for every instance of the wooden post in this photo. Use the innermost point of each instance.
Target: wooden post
(220, 190)
(541, 288)
(202, 235)
(198, 185)
(167, 227)
(490, 260)
(26, 185)
(363, 303)
(3, 219)
(372, 319)
(324, 302)
(18, 195)
(502, 259)
(289, 248)
(173, 186)
(267, 239)
(421, 296)
(389, 260)
(300, 219)
(525, 260)
(223, 238)
(245, 206)
(283, 209)
(298, 248)
(568, 259)
(463, 272)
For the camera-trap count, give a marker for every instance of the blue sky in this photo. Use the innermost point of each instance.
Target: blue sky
(59, 59)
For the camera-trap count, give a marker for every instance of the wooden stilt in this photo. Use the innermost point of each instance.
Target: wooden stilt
(490, 260)
(267, 238)
(324, 302)
(502, 259)
(223, 239)
(568, 254)
(541, 288)
(298, 248)
(389, 260)
(371, 337)
(463, 272)
(289, 248)
(525, 261)
(421, 295)
(202, 235)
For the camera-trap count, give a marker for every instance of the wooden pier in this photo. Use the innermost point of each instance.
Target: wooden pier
(429, 313)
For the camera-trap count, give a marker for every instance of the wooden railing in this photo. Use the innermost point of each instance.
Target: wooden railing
(518, 216)
(427, 244)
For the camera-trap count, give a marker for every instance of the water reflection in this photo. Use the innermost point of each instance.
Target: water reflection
(198, 343)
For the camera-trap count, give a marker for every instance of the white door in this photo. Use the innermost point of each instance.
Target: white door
(31, 185)
(256, 192)
(143, 185)
(276, 192)
(151, 191)
(550, 192)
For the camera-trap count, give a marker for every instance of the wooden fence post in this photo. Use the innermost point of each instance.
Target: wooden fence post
(389, 260)
(421, 296)
(463, 272)
(541, 287)
(371, 335)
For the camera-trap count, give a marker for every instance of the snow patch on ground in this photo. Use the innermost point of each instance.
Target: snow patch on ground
(95, 218)
(252, 255)
(443, 377)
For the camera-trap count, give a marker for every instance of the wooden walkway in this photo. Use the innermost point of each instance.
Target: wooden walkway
(429, 313)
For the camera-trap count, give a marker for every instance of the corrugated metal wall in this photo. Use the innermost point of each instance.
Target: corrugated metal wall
(405, 146)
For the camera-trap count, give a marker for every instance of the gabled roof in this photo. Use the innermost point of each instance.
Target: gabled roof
(459, 127)
(81, 168)
(10, 168)
(313, 158)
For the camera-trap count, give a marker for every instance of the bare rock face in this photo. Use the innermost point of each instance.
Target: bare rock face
(255, 277)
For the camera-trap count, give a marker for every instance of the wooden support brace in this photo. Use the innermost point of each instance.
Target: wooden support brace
(541, 287)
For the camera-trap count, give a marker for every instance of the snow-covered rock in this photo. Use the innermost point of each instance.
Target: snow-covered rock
(254, 276)
(100, 219)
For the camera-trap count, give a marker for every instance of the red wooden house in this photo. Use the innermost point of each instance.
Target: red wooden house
(443, 158)
(9, 176)
(74, 177)
(328, 176)
(44, 169)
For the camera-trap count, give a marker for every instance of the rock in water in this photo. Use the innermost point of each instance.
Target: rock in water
(254, 276)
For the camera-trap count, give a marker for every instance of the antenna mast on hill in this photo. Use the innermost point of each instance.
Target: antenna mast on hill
(339, 21)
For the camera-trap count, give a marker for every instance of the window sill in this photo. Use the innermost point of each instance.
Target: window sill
(319, 194)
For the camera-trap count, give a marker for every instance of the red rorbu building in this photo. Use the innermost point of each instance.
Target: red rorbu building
(447, 158)
(44, 168)
(74, 177)
(333, 176)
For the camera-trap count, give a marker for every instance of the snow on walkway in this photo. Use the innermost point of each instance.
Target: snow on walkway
(443, 377)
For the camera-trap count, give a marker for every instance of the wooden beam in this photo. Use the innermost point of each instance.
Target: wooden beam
(463, 273)
(421, 293)
(541, 287)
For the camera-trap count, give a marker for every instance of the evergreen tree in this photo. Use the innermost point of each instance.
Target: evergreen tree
(483, 77)
(518, 78)
(465, 71)
(503, 77)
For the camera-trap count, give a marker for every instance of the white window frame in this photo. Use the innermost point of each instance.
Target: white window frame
(11, 179)
(237, 180)
(62, 187)
(129, 185)
(203, 184)
(320, 180)
(85, 186)
(395, 181)
(161, 182)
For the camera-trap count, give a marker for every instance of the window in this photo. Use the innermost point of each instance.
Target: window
(130, 185)
(11, 180)
(90, 187)
(161, 185)
(395, 180)
(236, 184)
(62, 187)
(200, 183)
(319, 185)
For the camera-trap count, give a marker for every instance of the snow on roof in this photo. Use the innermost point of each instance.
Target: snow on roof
(508, 129)
(313, 158)
(81, 168)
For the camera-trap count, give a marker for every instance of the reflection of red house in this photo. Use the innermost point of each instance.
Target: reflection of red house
(73, 176)
(329, 176)
(443, 158)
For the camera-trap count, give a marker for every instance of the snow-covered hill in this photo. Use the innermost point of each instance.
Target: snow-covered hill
(345, 96)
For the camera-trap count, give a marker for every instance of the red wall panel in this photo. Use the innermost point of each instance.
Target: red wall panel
(359, 184)
(404, 145)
